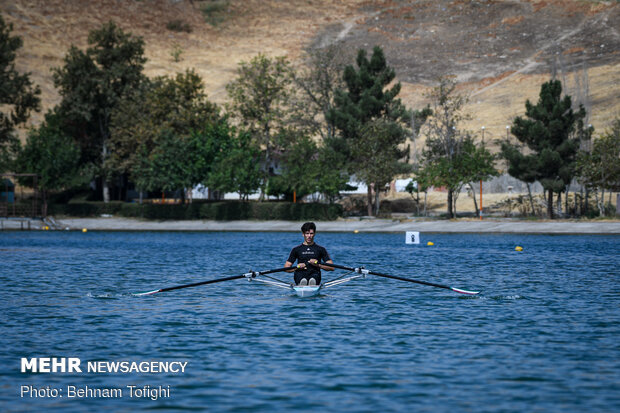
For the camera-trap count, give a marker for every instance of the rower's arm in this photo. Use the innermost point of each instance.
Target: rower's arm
(321, 266)
(289, 264)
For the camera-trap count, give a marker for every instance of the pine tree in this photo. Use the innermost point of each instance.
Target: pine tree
(356, 112)
(549, 131)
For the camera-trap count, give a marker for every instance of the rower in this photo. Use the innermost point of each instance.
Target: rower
(309, 256)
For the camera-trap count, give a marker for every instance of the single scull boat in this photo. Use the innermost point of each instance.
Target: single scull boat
(308, 290)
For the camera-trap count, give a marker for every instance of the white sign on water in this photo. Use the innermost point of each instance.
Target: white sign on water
(412, 237)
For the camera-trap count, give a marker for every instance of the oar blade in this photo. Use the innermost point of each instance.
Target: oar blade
(145, 293)
(461, 291)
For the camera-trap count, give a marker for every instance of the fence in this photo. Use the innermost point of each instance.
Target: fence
(16, 204)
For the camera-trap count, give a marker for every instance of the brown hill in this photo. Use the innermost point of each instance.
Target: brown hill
(501, 51)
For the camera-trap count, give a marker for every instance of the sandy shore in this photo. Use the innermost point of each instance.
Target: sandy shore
(342, 225)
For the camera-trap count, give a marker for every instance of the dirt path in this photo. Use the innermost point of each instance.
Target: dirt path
(531, 63)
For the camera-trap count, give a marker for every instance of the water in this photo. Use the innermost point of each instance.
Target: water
(544, 335)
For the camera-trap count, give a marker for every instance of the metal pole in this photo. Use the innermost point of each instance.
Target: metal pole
(481, 179)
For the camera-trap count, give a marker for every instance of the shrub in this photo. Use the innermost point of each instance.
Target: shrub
(85, 209)
(178, 26)
(220, 211)
(213, 11)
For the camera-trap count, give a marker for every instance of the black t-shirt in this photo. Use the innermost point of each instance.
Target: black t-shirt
(304, 253)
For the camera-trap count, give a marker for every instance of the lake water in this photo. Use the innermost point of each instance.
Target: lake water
(544, 334)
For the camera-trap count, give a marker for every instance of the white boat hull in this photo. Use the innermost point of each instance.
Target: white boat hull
(306, 290)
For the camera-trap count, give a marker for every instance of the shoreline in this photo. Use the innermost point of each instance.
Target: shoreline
(361, 225)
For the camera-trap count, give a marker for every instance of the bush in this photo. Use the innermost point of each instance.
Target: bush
(220, 211)
(407, 205)
(85, 209)
(214, 11)
(178, 26)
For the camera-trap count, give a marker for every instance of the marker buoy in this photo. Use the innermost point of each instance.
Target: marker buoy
(518, 248)
(84, 230)
(356, 231)
(430, 243)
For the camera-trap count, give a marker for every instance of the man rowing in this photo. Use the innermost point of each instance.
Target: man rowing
(309, 256)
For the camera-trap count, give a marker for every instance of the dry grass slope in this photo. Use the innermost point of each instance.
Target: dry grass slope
(500, 51)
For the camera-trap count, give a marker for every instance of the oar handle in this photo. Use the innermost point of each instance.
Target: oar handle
(276, 270)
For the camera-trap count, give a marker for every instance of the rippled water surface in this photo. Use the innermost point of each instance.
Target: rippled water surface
(544, 334)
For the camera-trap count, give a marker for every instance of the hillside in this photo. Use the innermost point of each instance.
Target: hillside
(501, 51)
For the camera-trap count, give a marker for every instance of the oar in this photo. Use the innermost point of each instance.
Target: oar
(251, 274)
(411, 280)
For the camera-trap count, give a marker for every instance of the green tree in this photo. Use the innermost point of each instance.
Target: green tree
(379, 155)
(521, 167)
(367, 99)
(309, 168)
(478, 166)
(550, 130)
(299, 170)
(91, 85)
(236, 167)
(167, 166)
(331, 165)
(451, 157)
(53, 156)
(419, 182)
(599, 170)
(18, 96)
(318, 81)
(152, 115)
(260, 99)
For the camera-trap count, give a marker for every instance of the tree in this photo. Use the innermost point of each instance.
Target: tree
(367, 99)
(171, 111)
(331, 165)
(236, 167)
(319, 81)
(599, 170)
(550, 130)
(451, 157)
(419, 182)
(167, 166)
(379, 154)
(520, 167)
(18, 96)
(91, 84)
(310, 168)
(477, 164)
(260, 101)
(300, 170)
(53, 156)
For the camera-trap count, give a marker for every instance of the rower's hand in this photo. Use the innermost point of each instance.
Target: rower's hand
(301, 266)
(314, 263)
